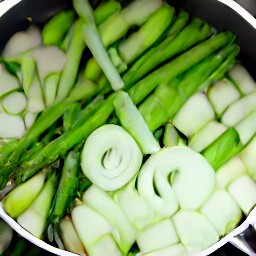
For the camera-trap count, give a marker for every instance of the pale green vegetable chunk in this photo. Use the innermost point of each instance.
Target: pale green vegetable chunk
(195, 231)
(14, 103)
(194, 114)
(19, 199)
(243, 190)
(222, 211)
(230, 171)
(222, 94)
(173, 250)
(242, 79)
(206, 135)
(157, 236)
(248, 157)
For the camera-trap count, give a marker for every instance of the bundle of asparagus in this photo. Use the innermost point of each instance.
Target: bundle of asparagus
(140, 137)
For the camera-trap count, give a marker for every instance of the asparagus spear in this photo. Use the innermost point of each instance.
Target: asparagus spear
(177, 66)
(176, 42)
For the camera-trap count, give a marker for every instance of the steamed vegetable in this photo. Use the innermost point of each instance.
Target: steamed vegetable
(134, 144)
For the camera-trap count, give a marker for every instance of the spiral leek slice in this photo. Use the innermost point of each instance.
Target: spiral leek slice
(110, 157)
(176, 176)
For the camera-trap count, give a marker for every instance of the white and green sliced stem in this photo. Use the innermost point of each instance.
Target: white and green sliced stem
(102, 202)
(174, 250)
(242, 79)
(245, 197)
(239, 110)
(149, 239)
(21, 197)
(222, 94)
(206, 135)
(132, 121)
(34, 218)
(51, 87)
(95, 44)
(224, 219)
(196, 108)
(106, 162)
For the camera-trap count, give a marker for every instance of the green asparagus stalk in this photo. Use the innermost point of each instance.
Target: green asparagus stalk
(67, 188)
(95, 44)
(135, 13)
(226, 146)
(147, 35)
(177, 42)
(74, 55)
(71, 115)
(177, 66)
(105, 10)
(167, 99)
(57, 27)
(62, 144)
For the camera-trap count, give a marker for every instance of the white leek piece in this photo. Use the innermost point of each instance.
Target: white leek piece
(49, 60)
(243, 190)
(224, 219)
(28, 69)
(247, 127)
(8, 82)
(132, 120)
(12, 126)
(50, 88)
(242, 79)
(106, 245)
(23, 41)
(206, 135)
(91, 226)
(35, 97)
(14, 103)
(180, 176)
(101, 201)
(70, 237)
(239, 109)
(157, 236)
(22, 196)
(230, 171)
(135, 207)
(171, 136)
(248, 157)
(194, 114)
(222, 94)
(195, 231)
(173, 250)
(29, 119)
(110, 157)
(33, 219)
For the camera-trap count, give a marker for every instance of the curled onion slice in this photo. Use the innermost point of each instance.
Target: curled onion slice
(110, 157)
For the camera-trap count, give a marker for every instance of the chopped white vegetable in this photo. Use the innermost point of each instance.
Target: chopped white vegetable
(247, 127)
(50, 88)
(242, 78)
(157, 236)
(229, 172)
(11, 126)
(222, 94)
(23, 41)
(101, 201)
(29, 119)
(8, 82)
(243, 190)
(224, 219)
(14, 103)
(239, 109)
(49, 60)
(194, 114)
(206, 135)
(195, 231)
(248, 157)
